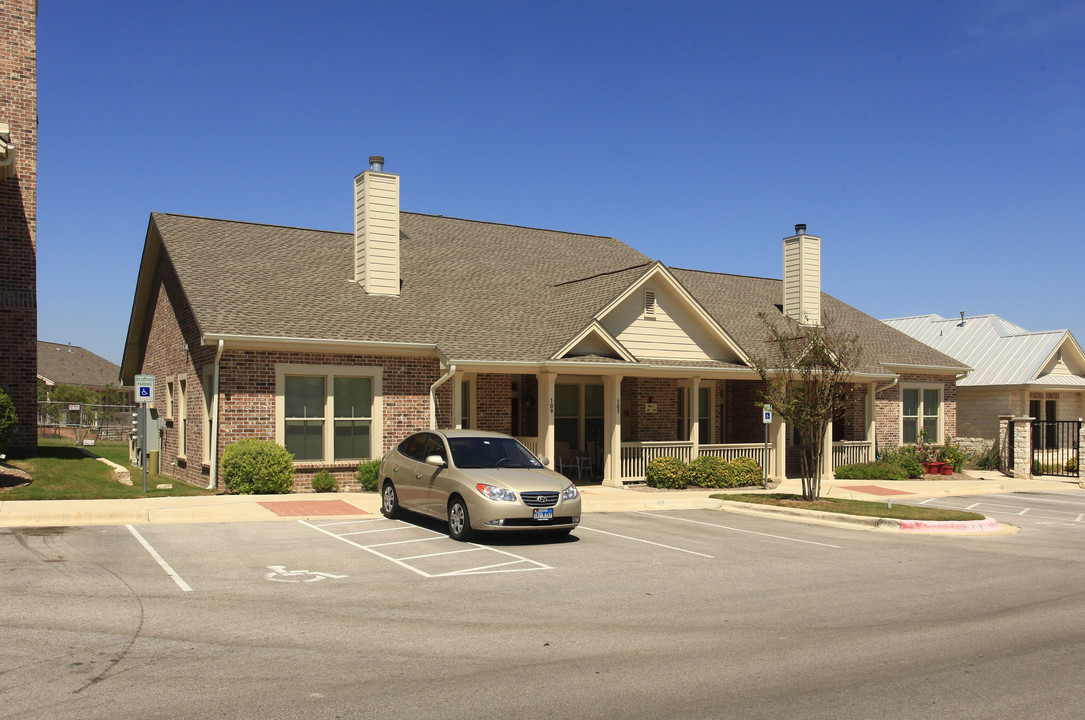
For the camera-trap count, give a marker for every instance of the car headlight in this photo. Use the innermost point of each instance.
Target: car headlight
(570, 493)
(496, 493)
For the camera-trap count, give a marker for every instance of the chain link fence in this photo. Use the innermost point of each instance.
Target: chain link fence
(81, 421)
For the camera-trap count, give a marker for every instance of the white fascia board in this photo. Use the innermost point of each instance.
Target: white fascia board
(573, 367)
(597, 328)
(271, 342)
(658, 269)
(939, 369)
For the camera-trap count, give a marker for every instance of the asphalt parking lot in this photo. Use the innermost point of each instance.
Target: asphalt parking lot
(693, 613)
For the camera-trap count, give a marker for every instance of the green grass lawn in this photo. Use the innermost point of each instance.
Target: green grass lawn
(854, 507)
(61, 472)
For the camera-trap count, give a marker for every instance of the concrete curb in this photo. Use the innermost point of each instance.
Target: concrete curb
(819, 517)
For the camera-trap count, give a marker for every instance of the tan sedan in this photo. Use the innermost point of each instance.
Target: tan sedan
(476, 480)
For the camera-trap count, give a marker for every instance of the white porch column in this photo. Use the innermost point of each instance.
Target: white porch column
(457, 400)
(827, 452)
(778, 435)
(871, 414)
(546, 416)
(612, 430)
(695, 418)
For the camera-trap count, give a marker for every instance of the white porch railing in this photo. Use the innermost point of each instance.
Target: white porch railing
(531, 443)
(636, 456)
(849, 452)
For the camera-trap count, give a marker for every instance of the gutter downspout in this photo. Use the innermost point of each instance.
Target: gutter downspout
(892, 384)
(433, 395)
(214, 424)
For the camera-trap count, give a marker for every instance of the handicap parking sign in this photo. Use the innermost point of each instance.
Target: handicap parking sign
(144, 388)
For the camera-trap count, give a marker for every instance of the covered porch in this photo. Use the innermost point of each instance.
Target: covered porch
(606, 427)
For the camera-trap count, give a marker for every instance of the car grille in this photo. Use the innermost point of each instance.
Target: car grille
(539, 499)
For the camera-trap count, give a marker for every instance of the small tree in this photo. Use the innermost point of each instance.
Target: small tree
(8, 419)
(806, 370)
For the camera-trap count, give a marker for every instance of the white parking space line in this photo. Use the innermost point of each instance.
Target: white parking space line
(646, 542)
(1018, 509)
(405, 562)
(158, 559)
(735, 529)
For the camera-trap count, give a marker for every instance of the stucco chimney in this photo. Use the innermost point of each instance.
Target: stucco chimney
(376, 229)
(802, 277)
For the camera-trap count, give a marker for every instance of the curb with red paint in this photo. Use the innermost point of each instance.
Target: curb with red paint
(984, 525)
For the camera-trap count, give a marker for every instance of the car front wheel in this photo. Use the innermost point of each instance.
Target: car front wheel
(389, 501)
(459, 520)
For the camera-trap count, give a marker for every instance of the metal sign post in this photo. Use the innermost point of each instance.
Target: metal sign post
(766, 418)
(144, 395)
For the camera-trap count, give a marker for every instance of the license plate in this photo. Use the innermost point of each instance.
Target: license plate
(543, 514)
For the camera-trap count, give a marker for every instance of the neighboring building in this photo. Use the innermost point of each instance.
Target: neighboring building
(339, 345)
(1017, 372)
(60, 364)
(18, 214)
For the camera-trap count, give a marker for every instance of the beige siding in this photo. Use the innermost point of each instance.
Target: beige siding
(671, 333)
(376, 232)
(802, 278)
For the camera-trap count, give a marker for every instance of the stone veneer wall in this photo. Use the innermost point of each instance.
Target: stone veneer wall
(18, 220)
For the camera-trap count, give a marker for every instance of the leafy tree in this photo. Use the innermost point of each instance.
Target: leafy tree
(8, 419)
(64, 393)
(807, 371)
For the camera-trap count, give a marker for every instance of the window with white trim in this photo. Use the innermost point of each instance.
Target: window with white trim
(182, 416)
(921, 409)
(328, 413)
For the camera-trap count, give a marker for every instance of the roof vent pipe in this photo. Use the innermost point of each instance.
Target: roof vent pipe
(800, 229)
(376, 163)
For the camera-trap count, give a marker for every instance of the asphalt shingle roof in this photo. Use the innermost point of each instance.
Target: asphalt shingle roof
(72, 365)
(478, 291)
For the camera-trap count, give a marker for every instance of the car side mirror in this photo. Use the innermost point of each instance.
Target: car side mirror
(435, 460)
(544, 460)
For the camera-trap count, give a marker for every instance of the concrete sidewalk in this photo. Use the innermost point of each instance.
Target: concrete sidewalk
(596, 498)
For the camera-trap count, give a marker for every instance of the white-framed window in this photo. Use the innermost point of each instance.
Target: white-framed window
(208, 400)
(328, 413)
(921, 408)
(182, 416)
(705, 426)
(467, 419)
(169, 398)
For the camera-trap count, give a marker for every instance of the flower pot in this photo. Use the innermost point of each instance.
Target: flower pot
(931, 468)
(947, 469)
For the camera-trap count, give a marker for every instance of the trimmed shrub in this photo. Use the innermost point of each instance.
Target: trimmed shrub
(665, 472)
(906, 458)
(708, 471)
(324, 482)
(870, 471)
(367, 474)
(745, 472)
(1071, 464)
(257, 467)
(8, 420)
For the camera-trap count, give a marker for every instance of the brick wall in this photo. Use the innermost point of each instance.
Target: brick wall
(639, 425)
(887, 408)
(18, 219)
(742, 407)
(247, 389)
(493, 410)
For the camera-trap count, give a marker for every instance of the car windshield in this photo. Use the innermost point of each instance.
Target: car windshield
(490, 452)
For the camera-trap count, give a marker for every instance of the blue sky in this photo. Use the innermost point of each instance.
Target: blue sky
(936, 147)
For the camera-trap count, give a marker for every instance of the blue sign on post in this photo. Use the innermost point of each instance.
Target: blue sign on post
(144, 388)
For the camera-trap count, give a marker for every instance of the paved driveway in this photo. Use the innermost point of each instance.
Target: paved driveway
(685, 614)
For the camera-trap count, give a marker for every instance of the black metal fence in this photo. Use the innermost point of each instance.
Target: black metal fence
(1055, 447)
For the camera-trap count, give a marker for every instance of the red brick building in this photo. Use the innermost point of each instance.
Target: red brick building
(18, 215)
(339, 345)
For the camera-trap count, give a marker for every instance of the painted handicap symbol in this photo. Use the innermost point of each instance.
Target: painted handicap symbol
(281, 574)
